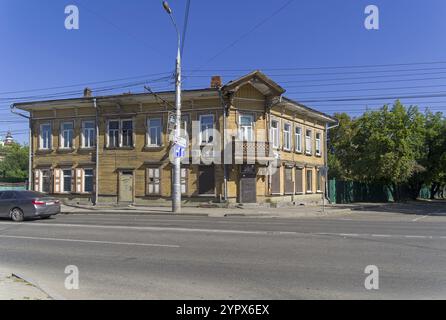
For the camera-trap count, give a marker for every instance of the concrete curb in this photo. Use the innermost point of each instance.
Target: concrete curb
(45, 290)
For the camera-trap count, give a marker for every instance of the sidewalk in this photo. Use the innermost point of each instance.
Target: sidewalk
(13, 288)
(254, 211)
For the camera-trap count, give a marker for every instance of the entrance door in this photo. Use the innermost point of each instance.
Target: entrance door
(206, 180)
(248, 181)
(126, 186)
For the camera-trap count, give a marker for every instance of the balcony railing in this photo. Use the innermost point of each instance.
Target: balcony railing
(252, 151)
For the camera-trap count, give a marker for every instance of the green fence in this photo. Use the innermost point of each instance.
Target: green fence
(343, 192)
(13, 186)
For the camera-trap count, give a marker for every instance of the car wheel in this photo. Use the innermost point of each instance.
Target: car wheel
(17, 215)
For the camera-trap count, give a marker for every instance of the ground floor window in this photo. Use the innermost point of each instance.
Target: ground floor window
(66, 180)
(289, 183)
(275, 181)
(153, 181)
(184, 176)
(88, 180)
(319, 181)
(45, 181)
(309, 181)
(299, 181)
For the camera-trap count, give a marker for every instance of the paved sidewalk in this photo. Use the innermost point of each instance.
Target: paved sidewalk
(286, 212)
(13, 288)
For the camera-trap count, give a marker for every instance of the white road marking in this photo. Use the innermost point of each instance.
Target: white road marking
(90, 241)
(218, 231)
(420, 218)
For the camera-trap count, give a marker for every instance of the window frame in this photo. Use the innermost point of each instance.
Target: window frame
(41, 171)
(210, 115)
(62, 181)
(309, 171)
(153, 183)
(114, 130)
(84, 176)
(308, 142)
(84, 138)
(298, 139)
(50, 137)
(161, 131)
(318, 150)
(251, 127)
(62, 136)
(287, 136)
(121, 131)
(275, 134)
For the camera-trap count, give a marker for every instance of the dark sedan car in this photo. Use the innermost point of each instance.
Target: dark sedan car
(21, 205)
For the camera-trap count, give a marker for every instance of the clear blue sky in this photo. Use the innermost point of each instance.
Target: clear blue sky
(123, 39)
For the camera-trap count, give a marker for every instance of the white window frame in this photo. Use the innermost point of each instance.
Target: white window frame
(84, 176)
(250, 129)
(114, 130)
(41, 171)
(208, 131)
(156, 181)
(161, 129)
(50, 138)
(62, 181)
(318, 144)
(62, 135)
(298, 139)
(309, 142)
(287, 136)
(92, 144)
(319, 181)
(275, 137)
(121, 133)
(309, 170)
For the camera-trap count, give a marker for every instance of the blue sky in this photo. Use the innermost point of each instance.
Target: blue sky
(135, 38)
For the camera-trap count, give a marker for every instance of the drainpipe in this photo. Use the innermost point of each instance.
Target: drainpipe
(95, 104)
(225, 171)
(327, 129)
(30, 147)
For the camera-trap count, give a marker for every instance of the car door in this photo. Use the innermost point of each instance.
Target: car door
(7, 199)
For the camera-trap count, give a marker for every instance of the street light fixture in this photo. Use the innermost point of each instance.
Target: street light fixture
(176, 172)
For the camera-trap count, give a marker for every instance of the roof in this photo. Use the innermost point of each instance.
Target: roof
(257, 79)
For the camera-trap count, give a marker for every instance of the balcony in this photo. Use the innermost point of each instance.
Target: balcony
(252, 152)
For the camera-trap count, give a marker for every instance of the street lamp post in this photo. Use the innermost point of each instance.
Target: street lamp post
(176, 172)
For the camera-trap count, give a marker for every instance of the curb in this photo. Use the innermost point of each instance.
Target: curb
(51, 295)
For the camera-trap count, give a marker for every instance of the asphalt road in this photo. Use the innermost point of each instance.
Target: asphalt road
(185, 257)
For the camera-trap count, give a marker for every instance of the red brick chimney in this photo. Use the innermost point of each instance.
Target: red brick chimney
(216, 82)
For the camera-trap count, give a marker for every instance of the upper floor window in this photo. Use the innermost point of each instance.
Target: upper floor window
(88, 134)
(308, 142)
(127, 133)
(155, 129)
(45, 137)
(287, 136)
(246, 128)
(66, 135)
(318, 144)
(206, 129)
(275, 133)
(120, 133)
(298, 138)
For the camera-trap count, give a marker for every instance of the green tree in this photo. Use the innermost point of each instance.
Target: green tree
(15, 165)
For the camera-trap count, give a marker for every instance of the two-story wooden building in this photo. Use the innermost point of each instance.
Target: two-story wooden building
(116, 149)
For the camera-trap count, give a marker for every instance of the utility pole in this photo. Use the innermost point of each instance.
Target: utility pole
(176, 172)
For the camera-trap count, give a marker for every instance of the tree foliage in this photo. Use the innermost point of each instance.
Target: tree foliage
(395, 146)
(14, 167)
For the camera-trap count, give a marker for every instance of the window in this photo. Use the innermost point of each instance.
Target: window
(88, 180)
(206, 129)
(275, 133)
(299, 181)
(120, 133)
(184, 174)
(153, 181)
(67, 180)
(113, 134)
(309, 180)
(287, 137)
(88, 134)
(246, 128)
(45, 136)
(318, 144)
(298, 138)
(319, 181)
(155, 129)
(127, 133)
(308, 142)
(45, 182)
(66, 135)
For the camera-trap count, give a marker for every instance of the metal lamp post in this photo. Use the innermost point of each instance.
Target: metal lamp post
(176, 172)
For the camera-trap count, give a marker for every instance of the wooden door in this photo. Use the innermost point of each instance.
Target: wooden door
(248, 184)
